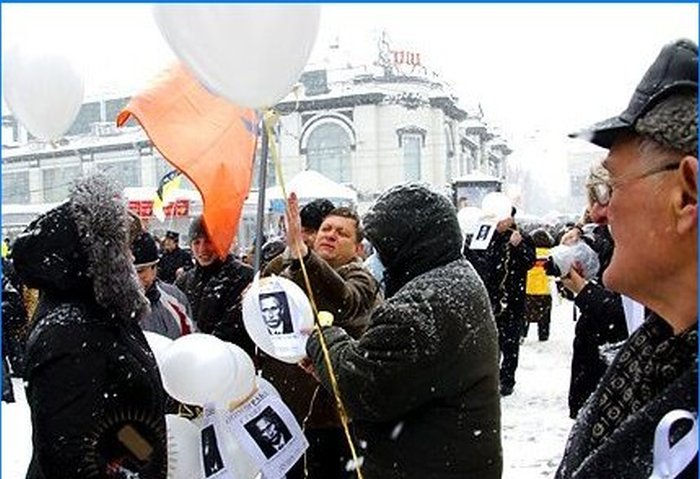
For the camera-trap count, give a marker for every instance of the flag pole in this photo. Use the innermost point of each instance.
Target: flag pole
(262, 185)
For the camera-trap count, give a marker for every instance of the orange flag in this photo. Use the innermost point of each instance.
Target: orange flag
(209, 139)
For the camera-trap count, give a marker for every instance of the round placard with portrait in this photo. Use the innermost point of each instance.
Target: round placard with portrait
(278, 317)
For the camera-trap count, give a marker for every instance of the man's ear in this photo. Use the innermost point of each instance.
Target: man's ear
(685, 202)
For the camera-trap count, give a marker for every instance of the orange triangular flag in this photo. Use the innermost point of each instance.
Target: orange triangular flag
(209, 139)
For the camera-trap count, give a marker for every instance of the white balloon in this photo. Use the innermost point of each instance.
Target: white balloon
(249, 54)
(300, 312)
(197, 368)
(240, 383)
(468, 218)
(159, 344)
(44, 90)
(183, 448)
(496, 205)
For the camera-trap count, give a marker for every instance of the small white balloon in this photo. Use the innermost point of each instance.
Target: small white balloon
(249, 54)
(496, 205)
(183, 448)
(278, 317)
(468, 218)
(44, 89)
(197, 368)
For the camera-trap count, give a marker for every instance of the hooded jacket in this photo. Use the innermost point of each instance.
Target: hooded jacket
(421, 384)
(93, 387)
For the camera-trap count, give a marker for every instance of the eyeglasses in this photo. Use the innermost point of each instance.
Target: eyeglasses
(602, 192)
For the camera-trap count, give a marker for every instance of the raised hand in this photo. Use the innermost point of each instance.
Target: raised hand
(295, 241)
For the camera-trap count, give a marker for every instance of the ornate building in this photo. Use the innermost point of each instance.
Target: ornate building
(366, 127)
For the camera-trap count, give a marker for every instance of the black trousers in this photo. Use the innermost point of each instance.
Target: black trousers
(538, 309)
(7, 392)
(509, 329)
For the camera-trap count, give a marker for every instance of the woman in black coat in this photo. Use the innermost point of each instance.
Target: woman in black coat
(96, 399)
(421, 384)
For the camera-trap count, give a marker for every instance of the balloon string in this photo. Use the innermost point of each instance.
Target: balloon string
(269, 119)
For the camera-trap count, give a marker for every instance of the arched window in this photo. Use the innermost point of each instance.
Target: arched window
(328, 150)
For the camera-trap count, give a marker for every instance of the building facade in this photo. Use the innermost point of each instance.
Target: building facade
(366, 127)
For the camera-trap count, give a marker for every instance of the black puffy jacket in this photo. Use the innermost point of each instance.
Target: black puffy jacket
(421, 384)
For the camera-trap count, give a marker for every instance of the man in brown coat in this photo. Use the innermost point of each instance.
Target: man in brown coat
(342, 286)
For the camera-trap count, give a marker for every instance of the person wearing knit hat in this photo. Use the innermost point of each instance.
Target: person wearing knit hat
(96, 398)
(170, 313)
(650, 205)
(214, 287)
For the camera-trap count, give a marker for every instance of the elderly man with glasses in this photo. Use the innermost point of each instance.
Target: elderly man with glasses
(650, 203)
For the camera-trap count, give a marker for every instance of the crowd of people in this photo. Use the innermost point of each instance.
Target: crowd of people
(426, 323)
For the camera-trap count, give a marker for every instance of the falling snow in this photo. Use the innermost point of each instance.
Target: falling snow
(535, 422)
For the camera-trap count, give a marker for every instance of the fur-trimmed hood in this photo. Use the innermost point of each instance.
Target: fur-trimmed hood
(81, 247)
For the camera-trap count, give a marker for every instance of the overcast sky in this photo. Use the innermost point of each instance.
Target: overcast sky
(533, 67)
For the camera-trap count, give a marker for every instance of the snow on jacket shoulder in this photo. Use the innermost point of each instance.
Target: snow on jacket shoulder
(421, 383)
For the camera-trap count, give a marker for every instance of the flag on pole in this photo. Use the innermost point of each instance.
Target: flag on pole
(207, 138)
(169, 182)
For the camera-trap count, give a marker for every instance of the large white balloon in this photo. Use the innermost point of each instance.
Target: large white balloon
(288, 347)
(198, 368)
(240, 383)
(183, 448)
(497, 206)
(249, 54)
(44, 90)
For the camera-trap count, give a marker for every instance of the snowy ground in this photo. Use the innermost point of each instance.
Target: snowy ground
(535, 417)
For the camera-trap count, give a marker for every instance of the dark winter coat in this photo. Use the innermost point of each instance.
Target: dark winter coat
(654, 373)
(93, 387)
(601, 321)
(171, 261)
(503, 268)
(14, 319)
(215, 293)
(421, 384)
(349, 293)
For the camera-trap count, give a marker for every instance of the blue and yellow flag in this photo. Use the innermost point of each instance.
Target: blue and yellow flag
(169, 182)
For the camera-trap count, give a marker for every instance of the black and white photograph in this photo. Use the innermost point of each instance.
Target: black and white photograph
(211, 456)
(274, 309)
(482, 237)
(483, 232)
(269, 432)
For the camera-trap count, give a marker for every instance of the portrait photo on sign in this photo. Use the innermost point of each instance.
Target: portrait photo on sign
(483, 232)
(211, 456)
(482, 238)
(274, 309)
(269, 432)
